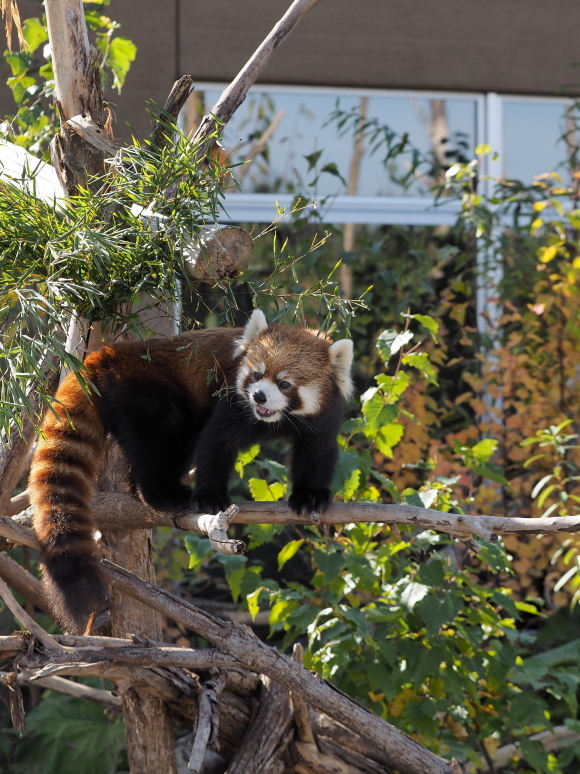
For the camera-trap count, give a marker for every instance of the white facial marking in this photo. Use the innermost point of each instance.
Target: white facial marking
(261, 368)
(282, 375)
(271, 409)
(341, 359)
(242, 376)
(255, 325)
(310, 397)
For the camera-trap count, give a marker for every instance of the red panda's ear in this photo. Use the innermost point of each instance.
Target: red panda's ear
(255, 325)
(341, 359)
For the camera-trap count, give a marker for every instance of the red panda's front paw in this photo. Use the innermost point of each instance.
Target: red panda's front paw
(209, 501)
(305, 501)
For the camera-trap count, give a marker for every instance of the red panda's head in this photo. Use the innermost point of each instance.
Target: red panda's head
(286, 371)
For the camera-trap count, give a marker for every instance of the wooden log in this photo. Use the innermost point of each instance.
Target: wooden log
(265, 740)
(150, 745)
(218, 254)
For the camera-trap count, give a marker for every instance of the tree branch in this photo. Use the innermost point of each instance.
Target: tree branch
(237, 641)
(77, 690)
(114, 511)
(233, 96)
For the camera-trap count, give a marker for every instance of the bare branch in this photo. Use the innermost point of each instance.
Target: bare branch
(114, 511)
(215, 527)
(207, 720)
(301, 717)
(77, 690)
(27, 621)
(233, 96)
(24, 582)
(237, 641)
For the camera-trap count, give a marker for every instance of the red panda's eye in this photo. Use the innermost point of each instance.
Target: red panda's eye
(284, 385)
(256, 376)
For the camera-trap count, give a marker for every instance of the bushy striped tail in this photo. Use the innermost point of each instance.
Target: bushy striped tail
(64, 469)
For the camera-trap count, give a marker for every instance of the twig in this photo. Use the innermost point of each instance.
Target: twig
(177, 98)
(233, 96)
(301, 717)
(24, 582)
(241, 644)
(215, 527)
(207, 720)
(27, 621)
(78, 690)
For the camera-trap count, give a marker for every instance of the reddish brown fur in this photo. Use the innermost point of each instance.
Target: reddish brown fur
(157, 399)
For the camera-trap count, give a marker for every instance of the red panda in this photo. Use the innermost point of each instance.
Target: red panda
(171, 403)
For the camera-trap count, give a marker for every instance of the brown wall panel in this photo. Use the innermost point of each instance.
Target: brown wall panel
(524, 46)
(518, 46)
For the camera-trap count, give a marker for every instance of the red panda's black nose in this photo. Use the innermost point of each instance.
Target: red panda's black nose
(259, 397)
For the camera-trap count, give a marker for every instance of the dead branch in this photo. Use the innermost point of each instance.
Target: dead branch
(114, 511)
(77, 690)
(237, 641)
(158, 669)
(215, 527)
(233, 96)
(266, 737)
(177, 98)
(24, 582)
(299, 706)
(27, 621)
(206, 732)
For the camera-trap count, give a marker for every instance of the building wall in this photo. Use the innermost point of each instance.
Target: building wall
(509, 46)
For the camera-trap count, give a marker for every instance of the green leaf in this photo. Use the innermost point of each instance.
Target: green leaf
(393, 386)
(377, 413)
(411, 497)
(245, 457)
(491, 471)
(34, 33)
(18, 63)
(484, 449)
(19, 86)
(348, 462)
(540, 485)
(253, 601)
(390, 342)
(420, 360)
(263, 492)
(121, 53)
(429, 323)
(332, 169)
(330, 563)
(388, 437)
(199, 550)
(313, 158)
(289, 550)
(243, 581)
(69, 735)
(351, 485)
(411, 592)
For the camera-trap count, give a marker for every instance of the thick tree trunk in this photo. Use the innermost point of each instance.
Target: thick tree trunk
(78, 152)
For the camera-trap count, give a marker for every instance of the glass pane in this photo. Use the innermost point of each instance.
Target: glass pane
(534, 138)
(306, 152)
